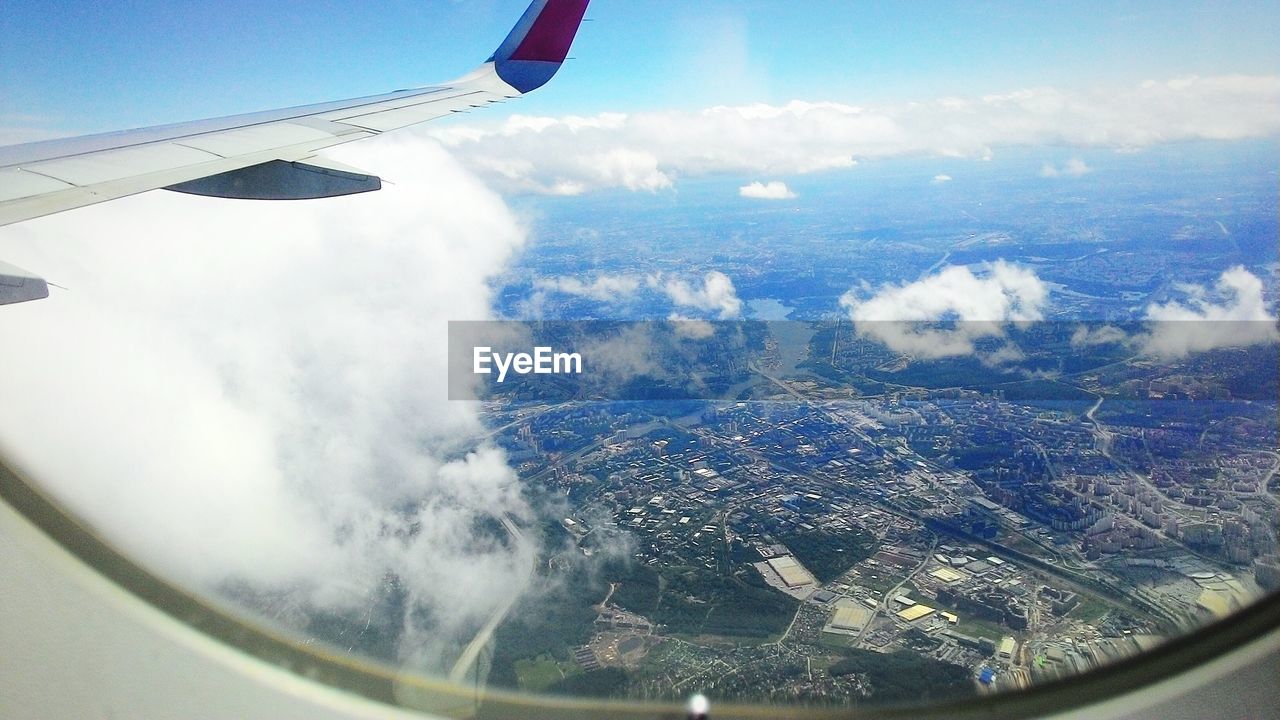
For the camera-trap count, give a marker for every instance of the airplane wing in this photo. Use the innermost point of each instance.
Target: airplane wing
(267, 155)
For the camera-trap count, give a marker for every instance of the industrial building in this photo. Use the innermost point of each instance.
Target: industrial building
(1006, 648)
(915, 612)
(850, 618)
(948, 575)
(791, 571)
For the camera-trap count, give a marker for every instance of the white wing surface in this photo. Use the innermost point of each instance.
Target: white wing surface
(267, 155)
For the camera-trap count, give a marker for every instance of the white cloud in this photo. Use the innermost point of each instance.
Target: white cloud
(1006, 353)
(774, 190)
(691, 328)
(1085, 336)
(631, 353)
(939, 179)
(717, 294)
(1233, 313)
(1075, 167)
(604, 288)
(651, 151)
(623, 167)
(254, 392)
(905, 317)
(714, 292)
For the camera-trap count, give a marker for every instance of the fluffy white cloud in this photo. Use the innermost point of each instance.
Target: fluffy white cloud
(650, 151)
(717, 294)
(1005, 354)
(774, 190)
(631, 353)
(691, 328)
(1075, 167)
(603, 288)
(939, 179)
(713, 293)
(241, 392)
(906, 317)
(1233, 313)
(1085, 336)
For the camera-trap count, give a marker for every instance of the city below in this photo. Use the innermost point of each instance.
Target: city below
(910, 544)
(771, 495)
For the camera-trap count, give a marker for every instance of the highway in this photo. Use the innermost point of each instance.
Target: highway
(472, 651)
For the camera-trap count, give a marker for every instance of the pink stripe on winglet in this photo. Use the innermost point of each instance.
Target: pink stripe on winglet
(552, 33)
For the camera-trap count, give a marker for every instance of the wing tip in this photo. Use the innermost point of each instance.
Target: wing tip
(539, 43)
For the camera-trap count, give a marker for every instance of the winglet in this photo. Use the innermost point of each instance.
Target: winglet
(539, 43)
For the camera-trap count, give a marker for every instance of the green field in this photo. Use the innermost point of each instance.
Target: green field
(973, 626)
(542, 672)
(1089, 609)
(886, 577)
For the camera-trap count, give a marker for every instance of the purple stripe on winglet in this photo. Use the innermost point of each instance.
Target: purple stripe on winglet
(552, 33)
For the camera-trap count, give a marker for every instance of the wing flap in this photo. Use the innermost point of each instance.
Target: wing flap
(255, 138)
(17, 183)
(110, 165)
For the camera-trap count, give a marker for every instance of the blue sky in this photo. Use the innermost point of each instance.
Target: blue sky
(100, 66)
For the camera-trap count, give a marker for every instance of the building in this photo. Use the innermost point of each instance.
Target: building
(947, 575)
(915, 612)
(1006, 648)
(791, 571)
(850, 618)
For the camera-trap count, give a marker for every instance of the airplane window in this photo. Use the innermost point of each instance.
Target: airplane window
(836, 355)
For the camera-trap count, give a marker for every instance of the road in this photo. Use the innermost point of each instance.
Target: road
(472, 651)
(886, 601)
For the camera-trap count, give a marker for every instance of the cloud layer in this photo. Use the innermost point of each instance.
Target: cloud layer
(651, 151)
(254, 392)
